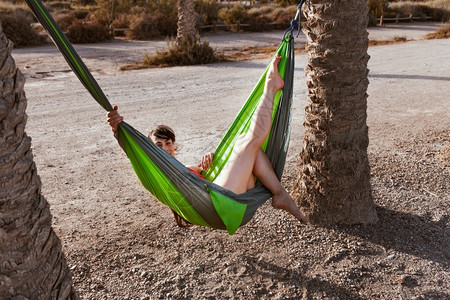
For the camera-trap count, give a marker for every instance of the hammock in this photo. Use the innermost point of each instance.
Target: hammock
(197, 200)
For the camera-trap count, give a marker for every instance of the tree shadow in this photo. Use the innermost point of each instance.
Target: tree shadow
(397, 76)
(407, 233)
(311, 286)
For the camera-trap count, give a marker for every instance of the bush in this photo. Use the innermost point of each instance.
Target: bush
(208, 11)
(284, 15)
(81, 14)
(121, 21)
(17, 27)
(438, 12)
(233, 15)
(165, 7)
(108, 10)
(82, 32)
(86, 2)
(258, 19)
(285, 3)
(190, 51)
(377, 7)
(58, 5)
(152, 26)
(441, 33)
(65, 20)
(8, 7)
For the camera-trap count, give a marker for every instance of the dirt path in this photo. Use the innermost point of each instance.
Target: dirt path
(122, 244)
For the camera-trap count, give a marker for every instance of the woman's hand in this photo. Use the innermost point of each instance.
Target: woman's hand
(114, 119)
(206, 161)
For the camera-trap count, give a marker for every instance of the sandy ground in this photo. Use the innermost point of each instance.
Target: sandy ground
(122, 244)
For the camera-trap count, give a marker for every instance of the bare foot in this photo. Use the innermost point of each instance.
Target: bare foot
(285, 202)
(274, 82)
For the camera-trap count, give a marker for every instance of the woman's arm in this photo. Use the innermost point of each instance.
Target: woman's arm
(205, 164)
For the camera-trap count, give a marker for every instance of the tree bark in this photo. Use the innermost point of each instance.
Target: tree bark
(186, 20)
(32, 265)
(334, 175)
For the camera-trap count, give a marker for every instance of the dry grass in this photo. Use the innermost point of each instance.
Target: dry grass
(395, 40)
(441, 33)
(244, 54)
(249, 53)
(188, 51)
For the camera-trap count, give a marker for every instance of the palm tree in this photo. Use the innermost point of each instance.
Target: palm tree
(334, 176)
(186, 20)
(32, 265)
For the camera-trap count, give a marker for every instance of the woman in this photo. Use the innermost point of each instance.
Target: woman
(248, 160)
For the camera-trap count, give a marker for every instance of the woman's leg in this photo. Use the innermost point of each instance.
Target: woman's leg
(239, 167)
(248, 160)
(281, 199)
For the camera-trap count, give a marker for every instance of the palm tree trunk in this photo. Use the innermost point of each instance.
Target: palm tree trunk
(334, 178)
(32, 265)
(186, 20)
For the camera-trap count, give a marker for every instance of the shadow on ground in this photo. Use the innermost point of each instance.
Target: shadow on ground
(407, 233)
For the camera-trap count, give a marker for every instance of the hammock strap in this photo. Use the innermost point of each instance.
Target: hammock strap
(69, 53)
(294, 20)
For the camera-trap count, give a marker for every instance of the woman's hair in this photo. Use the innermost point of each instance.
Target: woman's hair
(163, 132)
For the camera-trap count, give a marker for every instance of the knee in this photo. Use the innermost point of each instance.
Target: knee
(246, 142)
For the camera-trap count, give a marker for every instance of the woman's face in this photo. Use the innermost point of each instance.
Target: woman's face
(166, 145)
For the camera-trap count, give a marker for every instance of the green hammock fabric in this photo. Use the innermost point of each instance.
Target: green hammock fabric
(198, 200)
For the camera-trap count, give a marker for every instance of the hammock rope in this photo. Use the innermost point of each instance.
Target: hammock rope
(298, 15)
(197, 200)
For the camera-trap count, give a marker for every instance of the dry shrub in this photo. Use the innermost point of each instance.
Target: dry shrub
(438, 12)
(165, 7)
(259, 23)
(17, 27)
(152, 26)
(398, 38)
(441, 33)
(235, 14)
(258, 19)
(82, 32)
(8, 7)
(121, 21)
(208, 11)
(137, 11)
(378, 7)
(284, 15)
(86, 2)
(65, 20)
(285, 3)
(189, 51)
(81, 14)
(59, 6)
